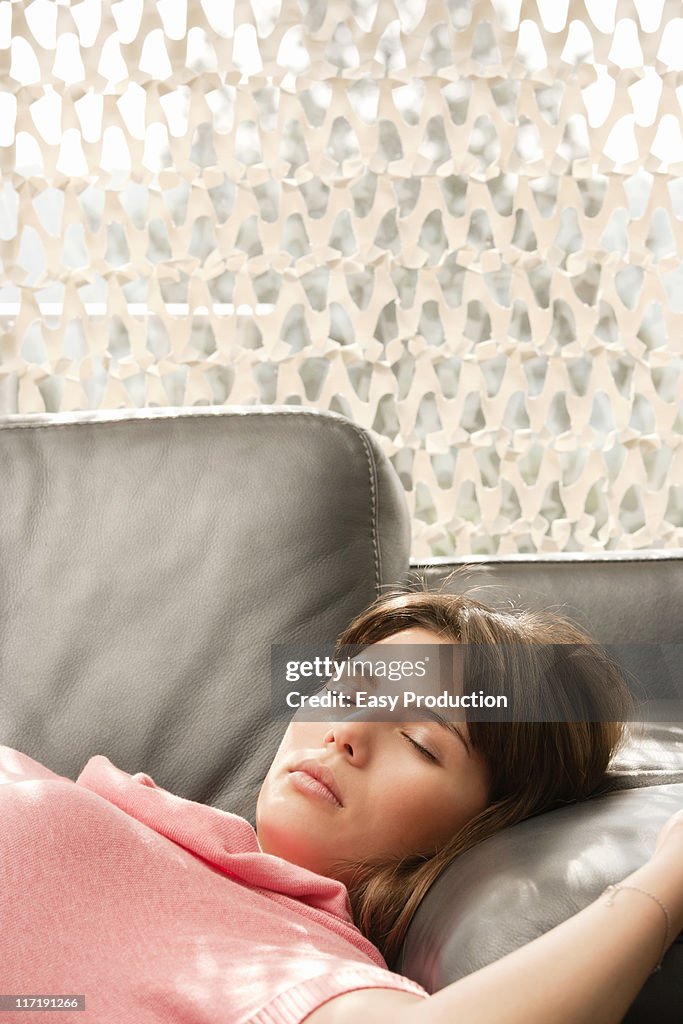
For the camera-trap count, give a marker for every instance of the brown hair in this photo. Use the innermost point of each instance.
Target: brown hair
(534, 765)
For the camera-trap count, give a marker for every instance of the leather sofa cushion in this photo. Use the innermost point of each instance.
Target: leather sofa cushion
(148, 560)
(529, 878)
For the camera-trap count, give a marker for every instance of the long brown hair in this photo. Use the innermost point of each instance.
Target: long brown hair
(534, 765)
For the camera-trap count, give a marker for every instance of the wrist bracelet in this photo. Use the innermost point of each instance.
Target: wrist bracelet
(611, 892)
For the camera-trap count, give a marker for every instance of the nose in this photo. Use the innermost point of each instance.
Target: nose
(351, 738)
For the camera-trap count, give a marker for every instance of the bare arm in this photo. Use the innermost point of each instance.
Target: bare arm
(588, 970)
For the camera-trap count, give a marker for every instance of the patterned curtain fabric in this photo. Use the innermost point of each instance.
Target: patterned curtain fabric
(458, 222)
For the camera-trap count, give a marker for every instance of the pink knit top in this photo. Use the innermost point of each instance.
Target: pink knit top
(157, 908)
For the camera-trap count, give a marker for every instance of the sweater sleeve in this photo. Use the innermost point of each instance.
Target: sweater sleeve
(293, 1004)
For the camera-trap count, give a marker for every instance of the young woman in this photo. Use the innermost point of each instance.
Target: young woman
(157, 908)
(414, 796)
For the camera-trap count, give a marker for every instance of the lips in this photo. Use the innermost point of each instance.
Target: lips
(323, 775)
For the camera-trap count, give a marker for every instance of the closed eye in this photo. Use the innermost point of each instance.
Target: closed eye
(423, 750)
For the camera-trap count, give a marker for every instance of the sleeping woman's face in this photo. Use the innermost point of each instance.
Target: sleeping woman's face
(403, 788)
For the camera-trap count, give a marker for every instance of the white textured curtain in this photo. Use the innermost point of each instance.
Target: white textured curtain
(459, 223)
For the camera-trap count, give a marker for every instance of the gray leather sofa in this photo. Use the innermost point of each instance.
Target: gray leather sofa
(148, 560)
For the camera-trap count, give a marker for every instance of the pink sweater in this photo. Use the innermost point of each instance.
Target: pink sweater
(159, 909)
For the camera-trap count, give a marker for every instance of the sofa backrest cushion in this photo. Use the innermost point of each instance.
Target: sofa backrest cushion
(149, 558)
(620, 597)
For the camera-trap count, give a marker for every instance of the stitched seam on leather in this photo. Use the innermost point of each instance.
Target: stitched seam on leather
(536, 557)
(372, 475)
(186, 415)
(372, 467)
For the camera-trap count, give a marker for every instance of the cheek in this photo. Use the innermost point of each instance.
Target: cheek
(406, 806)
(302, 736)
(434, 811)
